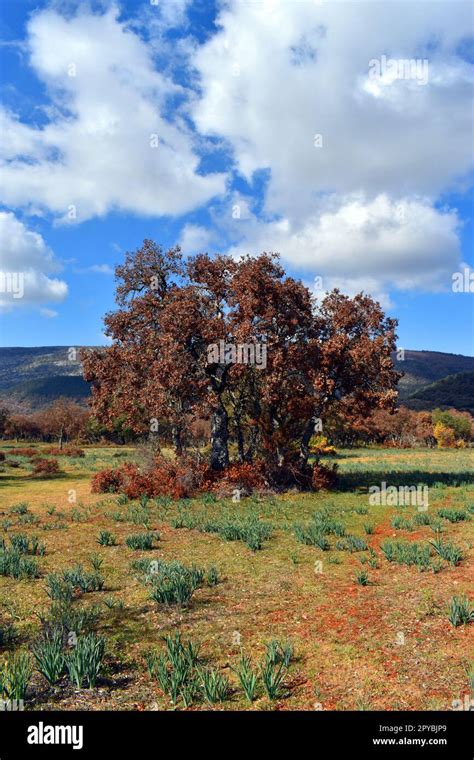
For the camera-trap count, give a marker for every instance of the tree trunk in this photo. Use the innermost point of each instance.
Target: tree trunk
(240, 441)
(253, 437)
(177, 440)
(307, 435)
(219, 439)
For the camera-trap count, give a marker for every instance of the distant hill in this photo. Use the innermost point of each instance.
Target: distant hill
(423, 368)
(453, 391)
(30, 378)
(42, 392)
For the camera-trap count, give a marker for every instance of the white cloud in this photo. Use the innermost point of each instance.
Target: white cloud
(279, 73)
(96, 152)
(195, 239)
(26, 263)
(48, 313)
(96, 269)
(374, 244)
(270, 108)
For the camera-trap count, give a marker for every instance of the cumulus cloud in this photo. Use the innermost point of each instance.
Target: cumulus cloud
(195, 239)
(269, 97)
(355, 165)
(107, 144)
(371, 245)
(26, 263)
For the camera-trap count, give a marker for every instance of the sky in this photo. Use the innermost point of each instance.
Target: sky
(338, 134)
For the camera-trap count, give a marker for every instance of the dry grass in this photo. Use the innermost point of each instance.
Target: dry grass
(388, 645)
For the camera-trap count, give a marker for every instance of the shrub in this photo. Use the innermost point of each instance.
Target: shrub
(106, 481)
(249, 529)
(273, 674)
(49, 656)
(323, 477)
(212, 576)
(247, 677)
(85, 661)
(16, 565)
(311, 535)
(277, 651)
(453, 515)
(460, 611)
(24, 452)
(445, 436)
(15, 675)
(215, 687)
(20, 509)
(25, 545)
(171, 582)
(362, 578)
(448, 551)
(352, 544)
(143, 541)
(66, 451)
(176, 670)
(45, 467)
(7, 633)
(106, 538)
(407, 553)
(320, 446)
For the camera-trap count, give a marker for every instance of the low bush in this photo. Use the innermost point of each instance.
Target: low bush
(17, 565)
(15, 675)
(84, 662)
(49, 656)
(460, 611)
(407, 553)
(45, 467)
(106, 538)
(143, 541)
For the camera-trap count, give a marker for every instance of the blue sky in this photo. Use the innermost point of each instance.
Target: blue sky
(246, 126)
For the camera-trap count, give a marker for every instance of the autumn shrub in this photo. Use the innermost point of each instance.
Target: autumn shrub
(46, 467)
(25, 452)
(245, 477)
(107, 481)
(320, 446)
(185, 477)
(445, 436)
(323, 477)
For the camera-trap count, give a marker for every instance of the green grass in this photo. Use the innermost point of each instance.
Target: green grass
(231, 577)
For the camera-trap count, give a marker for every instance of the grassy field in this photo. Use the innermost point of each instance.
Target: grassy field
(367, 633)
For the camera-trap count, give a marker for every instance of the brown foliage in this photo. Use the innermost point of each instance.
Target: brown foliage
(158, 366)
(45, 467)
